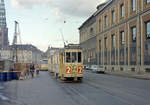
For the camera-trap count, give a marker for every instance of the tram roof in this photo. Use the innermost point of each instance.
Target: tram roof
(72, 46)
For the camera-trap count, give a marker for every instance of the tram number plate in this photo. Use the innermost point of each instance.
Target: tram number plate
(68, 69)
(80, 69)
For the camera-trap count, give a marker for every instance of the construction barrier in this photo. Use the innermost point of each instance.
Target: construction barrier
(0, 76)
(3, 76)
(9, 76)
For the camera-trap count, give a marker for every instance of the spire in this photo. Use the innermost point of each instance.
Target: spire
(3, 27)
(2, 14)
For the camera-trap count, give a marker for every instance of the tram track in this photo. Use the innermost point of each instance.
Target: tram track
(75, 95)
(74, 92)
(113, 92)
(118, 86)
(118, 92)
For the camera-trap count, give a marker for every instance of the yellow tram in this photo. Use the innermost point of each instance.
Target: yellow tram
(67, 63)
(44, 65)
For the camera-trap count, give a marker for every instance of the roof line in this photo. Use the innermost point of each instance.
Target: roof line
(95, 13)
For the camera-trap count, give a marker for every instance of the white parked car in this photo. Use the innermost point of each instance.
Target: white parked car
(86, 67)
(97, 69)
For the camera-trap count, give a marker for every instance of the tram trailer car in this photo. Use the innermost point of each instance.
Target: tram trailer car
(68, 63)
(44, 65)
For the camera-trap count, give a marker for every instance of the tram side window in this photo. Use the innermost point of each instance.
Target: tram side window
(74, 57)
(79, 57)
(68, 57)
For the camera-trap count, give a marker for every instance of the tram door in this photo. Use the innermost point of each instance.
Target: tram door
(61, 64)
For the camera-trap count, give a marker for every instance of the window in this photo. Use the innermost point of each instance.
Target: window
(106, 21)
(68, 57)
(74, 57)
(113, 16)
(99, 25)
(147, 1)
(133, 31)
(122, 38)
(122, 13)
(45, 62)
(148, 30)
(113, 41)
(79, 57)
(133, 5)
(105, 43)
(100, 45)
(91, 31)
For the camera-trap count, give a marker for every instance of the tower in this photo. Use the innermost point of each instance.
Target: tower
(3, 27)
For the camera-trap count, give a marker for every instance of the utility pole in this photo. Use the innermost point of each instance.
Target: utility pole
(138, 37)
(61, 32)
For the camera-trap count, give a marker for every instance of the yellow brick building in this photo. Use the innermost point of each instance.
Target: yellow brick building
(122, 35)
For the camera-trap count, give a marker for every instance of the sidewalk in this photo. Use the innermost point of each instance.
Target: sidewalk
(41, 90)
(145, 76)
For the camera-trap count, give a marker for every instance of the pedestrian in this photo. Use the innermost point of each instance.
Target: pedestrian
(32, 70)
(37, 69)
(28, 70)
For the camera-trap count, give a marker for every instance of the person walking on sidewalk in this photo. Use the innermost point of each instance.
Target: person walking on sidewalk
(28, 70)
(37, 69)
(32, 70)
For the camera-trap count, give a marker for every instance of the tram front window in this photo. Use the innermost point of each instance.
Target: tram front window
(74, 57)
(79, 57)
(68, 57)
(44, 62)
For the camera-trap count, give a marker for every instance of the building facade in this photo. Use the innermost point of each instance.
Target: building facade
(26, 53)
(87, 37)
(5, 55)
(50, 52)
(3, 27)
(123, 35)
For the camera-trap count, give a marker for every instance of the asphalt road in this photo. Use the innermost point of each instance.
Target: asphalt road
(96, 89)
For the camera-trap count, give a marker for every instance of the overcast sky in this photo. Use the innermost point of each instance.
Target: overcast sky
(42, 21)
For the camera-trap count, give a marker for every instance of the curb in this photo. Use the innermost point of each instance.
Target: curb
(129, 76)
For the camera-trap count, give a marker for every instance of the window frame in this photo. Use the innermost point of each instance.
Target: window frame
(134, 34)
(66, 57)
(78, 57)
(105, 42)
(148, 22)
(113, 16)
(133, 5)
(122, 11)
(75, 59)
(92, 31)
(113, 38)
(147, 1)
(100, 45)
(122, 37)
(106, 20)
(100, 25)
